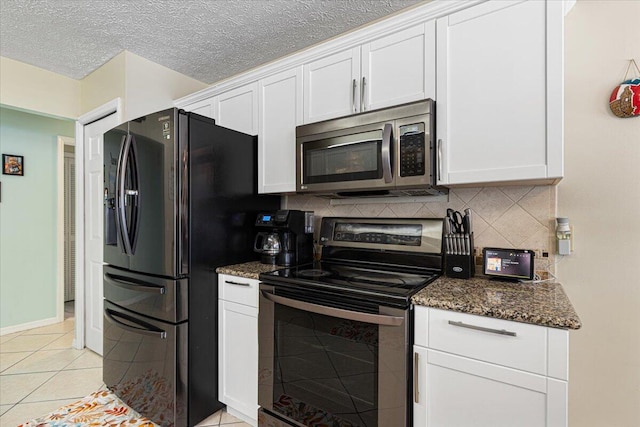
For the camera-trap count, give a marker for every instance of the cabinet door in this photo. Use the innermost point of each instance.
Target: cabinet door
(280, 100)
(238, 289)
(466, 392)
(238, 357)
(499, 92)
(419, 386)
(332, 86)
(203, 107)
(237, 109)
(399, 68)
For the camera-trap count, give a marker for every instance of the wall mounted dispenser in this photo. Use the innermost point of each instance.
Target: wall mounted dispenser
(563, 234)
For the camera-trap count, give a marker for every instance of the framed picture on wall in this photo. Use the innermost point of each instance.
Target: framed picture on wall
(12, 165)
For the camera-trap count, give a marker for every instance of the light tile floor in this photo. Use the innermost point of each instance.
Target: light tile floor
(40, 372)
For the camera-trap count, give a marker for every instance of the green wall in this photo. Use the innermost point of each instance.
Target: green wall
(28, 217)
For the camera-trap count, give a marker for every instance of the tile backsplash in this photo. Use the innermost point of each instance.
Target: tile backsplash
(506, 217)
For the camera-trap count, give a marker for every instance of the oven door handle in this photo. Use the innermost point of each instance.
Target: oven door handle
(378, 319)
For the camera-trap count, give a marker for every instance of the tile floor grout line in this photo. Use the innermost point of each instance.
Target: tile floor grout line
(6, 415)
(50, 370)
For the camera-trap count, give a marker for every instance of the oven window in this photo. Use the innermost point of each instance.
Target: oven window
(332, 161)
(326, 369)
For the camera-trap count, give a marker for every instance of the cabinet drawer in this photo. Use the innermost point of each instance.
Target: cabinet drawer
(503, 342)
(238, 289)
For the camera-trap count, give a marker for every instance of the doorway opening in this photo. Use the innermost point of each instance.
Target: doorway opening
(66, 229)
(69, 195)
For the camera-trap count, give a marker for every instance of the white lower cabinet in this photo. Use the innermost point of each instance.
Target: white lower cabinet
(453, 388)
(238, 346)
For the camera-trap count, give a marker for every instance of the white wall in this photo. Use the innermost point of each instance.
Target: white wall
(601, 195)
(144, 86)
(104, 84)
(31, 88)
(151, 87)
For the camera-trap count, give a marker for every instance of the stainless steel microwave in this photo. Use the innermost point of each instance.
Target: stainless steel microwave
(386, 152)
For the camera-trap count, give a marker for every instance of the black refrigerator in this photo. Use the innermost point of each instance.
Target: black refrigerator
(180, 200)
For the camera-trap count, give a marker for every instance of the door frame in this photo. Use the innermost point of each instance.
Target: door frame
(62, 141)
(112, 107)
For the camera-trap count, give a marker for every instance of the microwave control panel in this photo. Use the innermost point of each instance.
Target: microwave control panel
(412, 150)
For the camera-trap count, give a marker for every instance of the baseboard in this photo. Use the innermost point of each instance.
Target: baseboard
(242, 416)
(26, 326)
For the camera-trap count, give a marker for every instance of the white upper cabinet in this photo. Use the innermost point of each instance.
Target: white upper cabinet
(203, 107)
(237, 109)
(499, 93)
(399, 68)
(280, 111)
(330, 86)
(390, 70)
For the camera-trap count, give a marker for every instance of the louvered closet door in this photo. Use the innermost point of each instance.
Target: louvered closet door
(69, 227)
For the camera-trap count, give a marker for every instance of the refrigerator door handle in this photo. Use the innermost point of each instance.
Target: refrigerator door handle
(182, 185)
(119, 193)
(129, 169)
(134, 193)
(121, 282)
(122, 196)
(145, 329)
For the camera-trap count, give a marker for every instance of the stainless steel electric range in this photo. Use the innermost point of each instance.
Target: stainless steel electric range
(335, 336)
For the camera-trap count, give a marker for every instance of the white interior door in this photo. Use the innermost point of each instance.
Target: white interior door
(93, 195)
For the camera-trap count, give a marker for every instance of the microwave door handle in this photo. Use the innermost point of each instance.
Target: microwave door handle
(387, 136)
(378, 319)
(353, 96)
(362, 93)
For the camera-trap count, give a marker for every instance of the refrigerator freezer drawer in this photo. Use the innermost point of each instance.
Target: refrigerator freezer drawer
(145, 364)
(156, 297)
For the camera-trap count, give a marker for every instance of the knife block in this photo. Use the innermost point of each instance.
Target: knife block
(460, 266)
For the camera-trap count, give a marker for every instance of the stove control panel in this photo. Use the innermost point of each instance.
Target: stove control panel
(372, 237)
(420, 235)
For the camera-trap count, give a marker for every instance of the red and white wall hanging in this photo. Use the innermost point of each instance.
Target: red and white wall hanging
(625, 98)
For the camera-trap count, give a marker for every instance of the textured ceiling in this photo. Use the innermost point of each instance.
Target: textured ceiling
(205, 39)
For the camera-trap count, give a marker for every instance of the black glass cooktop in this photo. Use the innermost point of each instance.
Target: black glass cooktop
(352, 280)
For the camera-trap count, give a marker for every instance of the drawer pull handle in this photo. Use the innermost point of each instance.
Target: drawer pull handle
(237, 283)
(480, 328)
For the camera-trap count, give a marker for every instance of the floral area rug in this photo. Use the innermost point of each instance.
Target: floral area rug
(102, 408)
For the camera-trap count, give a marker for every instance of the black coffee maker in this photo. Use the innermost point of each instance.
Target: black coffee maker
(285, 237)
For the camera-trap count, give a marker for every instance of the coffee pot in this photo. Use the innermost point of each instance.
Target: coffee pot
(267, 244)
(288, 240)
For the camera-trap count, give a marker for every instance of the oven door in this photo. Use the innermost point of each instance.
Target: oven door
(347, 160)
(328, 363)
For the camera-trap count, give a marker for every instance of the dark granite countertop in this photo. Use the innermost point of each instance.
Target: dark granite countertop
(543, 304)
(248, 270)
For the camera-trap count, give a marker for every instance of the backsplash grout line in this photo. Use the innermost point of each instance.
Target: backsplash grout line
(532, 223)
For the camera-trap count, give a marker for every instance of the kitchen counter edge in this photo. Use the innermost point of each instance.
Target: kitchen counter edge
(248, 270)
(543, 304)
